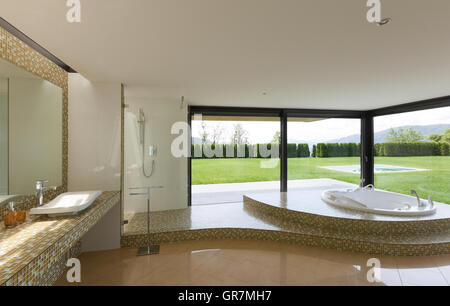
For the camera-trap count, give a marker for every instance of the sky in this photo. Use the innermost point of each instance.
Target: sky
(328, 129)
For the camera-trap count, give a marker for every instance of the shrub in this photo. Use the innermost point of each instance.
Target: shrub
(399, 149)
(322, 150)
(444, 148)
(291, 150)
(247, 151)
(303, 150)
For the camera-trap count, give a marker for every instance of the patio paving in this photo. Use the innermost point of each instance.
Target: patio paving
(233, 192)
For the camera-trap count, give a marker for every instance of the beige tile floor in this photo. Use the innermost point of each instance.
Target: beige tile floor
(243, 263)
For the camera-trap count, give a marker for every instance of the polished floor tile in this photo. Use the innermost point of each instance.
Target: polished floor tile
(258, 263)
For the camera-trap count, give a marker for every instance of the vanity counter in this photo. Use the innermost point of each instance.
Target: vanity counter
(29, 250)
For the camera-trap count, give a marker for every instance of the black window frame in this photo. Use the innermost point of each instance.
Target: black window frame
(367, 128)
(282, 113)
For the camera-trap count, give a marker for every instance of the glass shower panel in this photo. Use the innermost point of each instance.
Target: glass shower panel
(150, 161)
(3, 136)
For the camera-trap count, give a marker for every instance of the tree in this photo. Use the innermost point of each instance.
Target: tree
(401, 135)
(446, 136)
(211, 133)
(204, 133)
(239, 135)
(435, 137)
(217, 131)
(276, 138)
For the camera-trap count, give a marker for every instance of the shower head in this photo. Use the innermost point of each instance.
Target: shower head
(141, 116)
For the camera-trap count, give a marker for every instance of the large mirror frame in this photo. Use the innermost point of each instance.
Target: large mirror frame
(20, 54)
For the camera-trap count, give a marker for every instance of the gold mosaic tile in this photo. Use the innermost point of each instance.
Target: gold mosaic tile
(258, 222)
(17, 52)
(32, 249)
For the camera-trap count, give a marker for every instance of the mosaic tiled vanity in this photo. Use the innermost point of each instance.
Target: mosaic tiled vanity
(34, 253)
(27, 255)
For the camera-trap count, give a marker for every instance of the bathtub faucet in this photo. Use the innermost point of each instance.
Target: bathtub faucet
(419, 202)
(361, 183)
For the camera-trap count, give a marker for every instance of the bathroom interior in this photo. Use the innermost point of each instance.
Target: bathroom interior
(101, 123)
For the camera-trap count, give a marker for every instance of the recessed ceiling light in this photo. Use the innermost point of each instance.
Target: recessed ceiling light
(384, 21)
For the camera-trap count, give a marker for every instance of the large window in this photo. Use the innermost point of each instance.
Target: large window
(412, 152)
(232, 156)
(323, 151)
(318, 148)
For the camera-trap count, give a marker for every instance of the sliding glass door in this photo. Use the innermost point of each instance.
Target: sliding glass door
(412, 152)
(232, 156)
(323, 152)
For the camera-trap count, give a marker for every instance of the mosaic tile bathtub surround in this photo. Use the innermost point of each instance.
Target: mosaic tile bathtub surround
(17, 52)
(345, 220)
(30, 254)
(254, 221)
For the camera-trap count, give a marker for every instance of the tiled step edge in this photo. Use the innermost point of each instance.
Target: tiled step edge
(349, 225)
(380, 248)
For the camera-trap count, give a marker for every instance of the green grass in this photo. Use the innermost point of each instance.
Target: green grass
(233, 170)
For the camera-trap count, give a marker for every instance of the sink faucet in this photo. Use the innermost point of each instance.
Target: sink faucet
(40, 190)
(419, 202)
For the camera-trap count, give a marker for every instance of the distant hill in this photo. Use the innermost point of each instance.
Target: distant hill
(379, 136)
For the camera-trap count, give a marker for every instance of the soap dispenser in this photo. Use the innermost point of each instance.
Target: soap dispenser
(10, 218)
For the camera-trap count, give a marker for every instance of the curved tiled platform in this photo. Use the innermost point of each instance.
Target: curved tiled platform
(300, 219)
(306, 208)
(429, 235)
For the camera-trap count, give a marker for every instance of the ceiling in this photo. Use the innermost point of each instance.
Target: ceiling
(320, 54)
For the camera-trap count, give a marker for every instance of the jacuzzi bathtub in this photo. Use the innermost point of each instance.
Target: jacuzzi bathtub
(378, 202)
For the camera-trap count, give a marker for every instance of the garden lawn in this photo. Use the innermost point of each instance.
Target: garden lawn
(238, 170)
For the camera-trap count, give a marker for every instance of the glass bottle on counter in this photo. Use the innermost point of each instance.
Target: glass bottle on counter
(10, 218)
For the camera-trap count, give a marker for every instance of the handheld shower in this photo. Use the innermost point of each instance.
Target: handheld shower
(141, 122)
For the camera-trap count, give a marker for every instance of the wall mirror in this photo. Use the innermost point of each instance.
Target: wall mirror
(30, 132)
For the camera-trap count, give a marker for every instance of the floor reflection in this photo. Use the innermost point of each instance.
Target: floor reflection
(255, 263)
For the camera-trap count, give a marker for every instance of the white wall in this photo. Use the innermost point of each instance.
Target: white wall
(105, 235)
(170, 172)
(35, 133)
(94, 134)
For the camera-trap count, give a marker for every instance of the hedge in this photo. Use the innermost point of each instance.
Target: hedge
(398, 149)
(291, 150)
(247, 150)
(336, 149)
(303, 150)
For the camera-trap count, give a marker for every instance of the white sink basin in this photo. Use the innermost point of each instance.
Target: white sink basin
(69, 203)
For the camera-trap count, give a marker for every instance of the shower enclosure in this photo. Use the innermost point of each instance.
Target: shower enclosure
(148, 160)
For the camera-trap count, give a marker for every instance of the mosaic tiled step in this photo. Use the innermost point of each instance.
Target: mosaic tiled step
(344, 244)
(339, 220)
(236, 221)
(29, 251)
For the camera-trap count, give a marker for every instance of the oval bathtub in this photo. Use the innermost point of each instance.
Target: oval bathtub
(378, 202)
